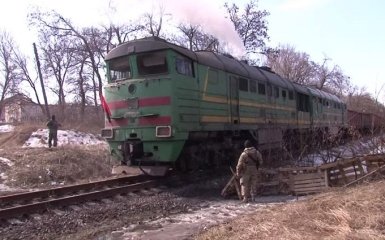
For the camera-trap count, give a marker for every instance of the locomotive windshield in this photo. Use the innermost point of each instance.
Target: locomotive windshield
(119, 69)
(152, 63)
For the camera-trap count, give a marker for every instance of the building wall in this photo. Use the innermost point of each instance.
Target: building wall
(20, 112)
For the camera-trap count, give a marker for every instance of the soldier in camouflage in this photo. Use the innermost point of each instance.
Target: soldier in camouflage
(53, 126)
(247, 170)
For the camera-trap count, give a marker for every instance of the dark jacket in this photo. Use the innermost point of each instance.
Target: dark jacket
(53, 126)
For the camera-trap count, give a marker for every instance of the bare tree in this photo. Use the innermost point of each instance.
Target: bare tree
(113, 35)
(10, 76)
(152, 23)
(62, 27)
(22, 63)
(251, 25)
(58, 62)
(331, 78)
(195, 39)
(290, 64)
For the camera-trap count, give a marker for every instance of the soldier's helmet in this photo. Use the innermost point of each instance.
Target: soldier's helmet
(248, 144)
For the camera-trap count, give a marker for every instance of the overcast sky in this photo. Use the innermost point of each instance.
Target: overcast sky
(349, 32)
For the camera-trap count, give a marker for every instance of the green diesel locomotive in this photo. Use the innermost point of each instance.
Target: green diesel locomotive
(172, 107)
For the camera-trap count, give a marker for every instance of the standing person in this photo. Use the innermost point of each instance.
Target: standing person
(247, 170)
(53, 126)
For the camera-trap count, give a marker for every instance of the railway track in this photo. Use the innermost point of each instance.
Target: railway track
(23, 204)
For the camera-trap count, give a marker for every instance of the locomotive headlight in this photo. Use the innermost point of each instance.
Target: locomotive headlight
(132, 88)
(107, 133)
(163, 131)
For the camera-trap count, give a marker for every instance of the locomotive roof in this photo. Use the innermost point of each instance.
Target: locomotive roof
(221, 62)
(275, 78)
(146, 45)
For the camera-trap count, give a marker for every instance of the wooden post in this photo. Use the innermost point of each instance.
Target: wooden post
(237, 184)
(359, 164)
(326, 177)
(233, 182)
(342, 172)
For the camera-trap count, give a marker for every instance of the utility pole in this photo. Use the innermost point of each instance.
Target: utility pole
(41, 82)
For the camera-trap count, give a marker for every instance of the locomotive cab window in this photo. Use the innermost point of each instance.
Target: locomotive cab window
(152, 63)
(119, 69)
(261, 89)
(303, 102)
(253, 86)
(243, 84)
(276, 92)
(184, 66)
(291, 95)
(284, 95)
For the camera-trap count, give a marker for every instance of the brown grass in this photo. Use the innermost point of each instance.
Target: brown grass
(39, 167)
(354, 213)
(17, 137)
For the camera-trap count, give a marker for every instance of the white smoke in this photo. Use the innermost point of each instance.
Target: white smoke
(210, 15)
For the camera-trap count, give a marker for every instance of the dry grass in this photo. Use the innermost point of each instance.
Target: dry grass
(354, 213)
(17, 137)
(40, 167)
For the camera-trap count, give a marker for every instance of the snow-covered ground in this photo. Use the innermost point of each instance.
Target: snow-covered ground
(39, 138)
(6, 161)
(3, 176)
(183, 226)
(6, 128)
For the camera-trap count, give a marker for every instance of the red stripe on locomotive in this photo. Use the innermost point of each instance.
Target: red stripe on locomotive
(142, 102)
(155, 120)
(143, 121)
(117, 122)
(154, 101)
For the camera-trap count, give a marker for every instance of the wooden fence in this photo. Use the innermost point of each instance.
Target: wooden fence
(306, 180)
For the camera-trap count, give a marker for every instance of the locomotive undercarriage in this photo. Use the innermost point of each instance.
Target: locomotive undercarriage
(210, 150)
(220, 148)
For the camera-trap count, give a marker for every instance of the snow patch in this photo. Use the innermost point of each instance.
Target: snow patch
(182, 226)
(39, 138)
(4, 187)
(6, 161)
(6, 128)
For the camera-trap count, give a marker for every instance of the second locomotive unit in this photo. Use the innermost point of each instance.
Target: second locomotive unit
(172, 107)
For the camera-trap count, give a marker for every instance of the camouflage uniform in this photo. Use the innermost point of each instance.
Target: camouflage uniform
(248, 172)
(53, 126)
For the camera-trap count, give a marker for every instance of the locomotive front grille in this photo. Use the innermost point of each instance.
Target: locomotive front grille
(132, 103)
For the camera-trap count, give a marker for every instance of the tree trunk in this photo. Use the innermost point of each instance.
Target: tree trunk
(47, 113)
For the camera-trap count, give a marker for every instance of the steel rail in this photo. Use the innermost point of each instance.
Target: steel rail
(42, 206)
(65, 190)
